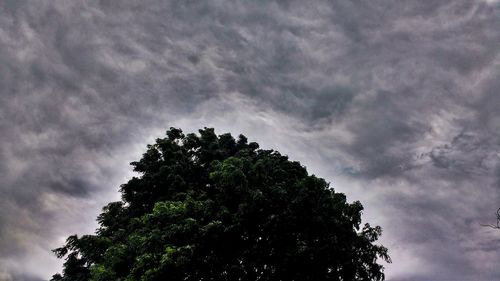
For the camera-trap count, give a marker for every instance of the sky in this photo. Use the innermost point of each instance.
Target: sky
(396, 103)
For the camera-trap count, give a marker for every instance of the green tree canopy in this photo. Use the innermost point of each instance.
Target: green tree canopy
(208, 207)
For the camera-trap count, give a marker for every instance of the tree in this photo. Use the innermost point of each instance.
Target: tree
(208, 207)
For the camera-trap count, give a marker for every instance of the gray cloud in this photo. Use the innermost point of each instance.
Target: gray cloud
(395, 102)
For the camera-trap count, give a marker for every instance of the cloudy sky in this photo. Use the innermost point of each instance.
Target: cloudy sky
(396, 103)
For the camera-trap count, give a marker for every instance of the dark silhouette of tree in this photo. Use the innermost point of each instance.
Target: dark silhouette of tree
(209, 207)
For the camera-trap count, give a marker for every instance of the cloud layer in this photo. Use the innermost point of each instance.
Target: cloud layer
(395, 103)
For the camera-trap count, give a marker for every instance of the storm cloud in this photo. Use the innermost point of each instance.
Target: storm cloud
(395, 102)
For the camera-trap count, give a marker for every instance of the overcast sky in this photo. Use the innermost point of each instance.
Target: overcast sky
(396, 103)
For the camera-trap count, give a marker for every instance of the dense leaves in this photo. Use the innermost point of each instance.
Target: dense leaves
(209, 207)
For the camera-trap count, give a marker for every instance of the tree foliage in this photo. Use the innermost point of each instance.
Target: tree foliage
(208, 207)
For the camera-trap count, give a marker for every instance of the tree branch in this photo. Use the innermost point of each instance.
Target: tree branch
(497, 226)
